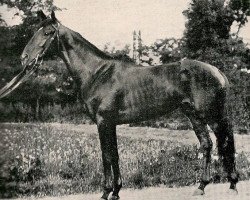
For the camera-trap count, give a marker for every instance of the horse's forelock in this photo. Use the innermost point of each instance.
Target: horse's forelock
(45, 23)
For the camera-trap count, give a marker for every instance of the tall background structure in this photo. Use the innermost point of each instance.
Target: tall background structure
(134, 46)
(137, 47)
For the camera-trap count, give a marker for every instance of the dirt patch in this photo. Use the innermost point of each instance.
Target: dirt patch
(213, 192)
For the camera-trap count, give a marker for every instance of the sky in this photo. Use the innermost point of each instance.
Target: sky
(113, 21)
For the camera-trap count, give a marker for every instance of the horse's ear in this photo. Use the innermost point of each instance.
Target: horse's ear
(41, 15)
(53, 16)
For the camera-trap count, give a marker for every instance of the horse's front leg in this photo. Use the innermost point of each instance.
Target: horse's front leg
(108, 140)
(107, 182)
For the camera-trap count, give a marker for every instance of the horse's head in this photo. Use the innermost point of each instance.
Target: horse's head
(34, 51)
(41, 41)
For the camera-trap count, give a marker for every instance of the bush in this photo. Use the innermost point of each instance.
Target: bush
(19, 112)
(177, 121)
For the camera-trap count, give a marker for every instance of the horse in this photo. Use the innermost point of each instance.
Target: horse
(116, 92)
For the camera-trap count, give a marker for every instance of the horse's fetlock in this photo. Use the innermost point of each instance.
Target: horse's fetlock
(234, 177)
(204, 182)
(119, 184)
(107, 188)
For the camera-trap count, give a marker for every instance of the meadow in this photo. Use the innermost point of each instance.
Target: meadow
(57, 159)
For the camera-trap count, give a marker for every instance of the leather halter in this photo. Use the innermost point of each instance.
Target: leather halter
(33, 65)
(49, 41)
(59, 42)
(56, 35)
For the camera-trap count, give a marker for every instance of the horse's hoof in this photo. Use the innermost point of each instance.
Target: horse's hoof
(198, 192)
(114, 197)
(232, 191)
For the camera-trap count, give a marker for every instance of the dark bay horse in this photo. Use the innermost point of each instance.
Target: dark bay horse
(116, 92)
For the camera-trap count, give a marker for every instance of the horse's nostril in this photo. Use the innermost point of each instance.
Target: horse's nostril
(24, 57)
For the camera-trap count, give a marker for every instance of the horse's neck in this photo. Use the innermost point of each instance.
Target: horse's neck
(81, 60)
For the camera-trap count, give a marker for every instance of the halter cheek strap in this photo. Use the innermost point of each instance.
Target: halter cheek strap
(56, 34)
(48, 42)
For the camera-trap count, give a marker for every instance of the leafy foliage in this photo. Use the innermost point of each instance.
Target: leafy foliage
(207, 38)
(122, 54)
(52, 83)
(169, 49)
(210, 21)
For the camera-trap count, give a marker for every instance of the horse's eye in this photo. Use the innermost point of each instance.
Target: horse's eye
(47, 33)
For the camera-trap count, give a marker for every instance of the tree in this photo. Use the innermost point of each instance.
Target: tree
(13, 40)
(2, 22)
(169, 49)
(210, 21)
(27, 10)
(207, 38)
(241, 9)
(122, 54)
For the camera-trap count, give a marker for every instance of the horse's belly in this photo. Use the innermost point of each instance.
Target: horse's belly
(140, 106)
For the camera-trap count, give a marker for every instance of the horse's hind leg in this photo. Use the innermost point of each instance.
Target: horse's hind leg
(226, 150)
(202, 133)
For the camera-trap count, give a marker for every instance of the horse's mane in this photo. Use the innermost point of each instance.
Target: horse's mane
(91, 47)
(99, 52)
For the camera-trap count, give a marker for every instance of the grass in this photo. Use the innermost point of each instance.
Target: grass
(58, 159)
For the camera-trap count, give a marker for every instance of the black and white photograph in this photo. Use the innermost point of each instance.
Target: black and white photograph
(125, 99)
